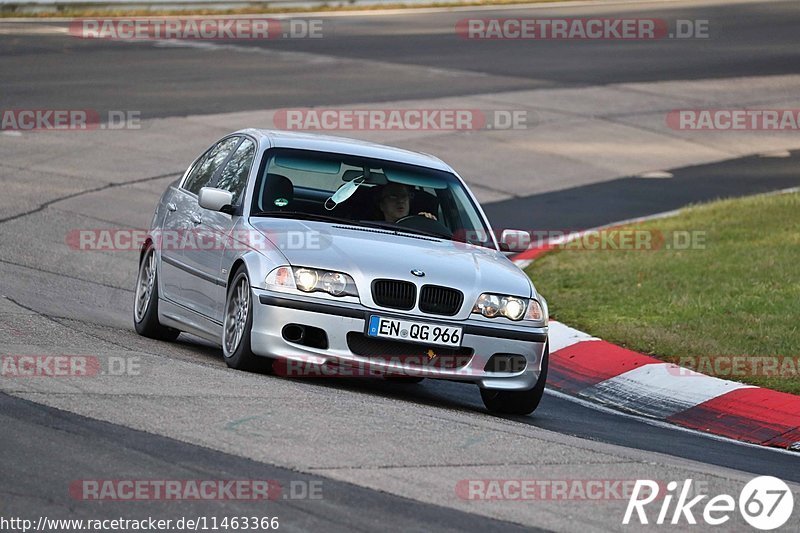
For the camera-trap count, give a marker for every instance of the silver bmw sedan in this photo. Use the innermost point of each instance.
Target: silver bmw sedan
(310, 255)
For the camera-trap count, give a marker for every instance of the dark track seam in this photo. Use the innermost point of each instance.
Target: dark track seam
(48, 203)
(460, 465)
(75, 278)
(70, 327)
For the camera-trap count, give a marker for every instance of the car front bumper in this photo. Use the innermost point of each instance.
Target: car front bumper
(272, 311)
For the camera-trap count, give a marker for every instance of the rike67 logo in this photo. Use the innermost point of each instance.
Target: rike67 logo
(765, 503)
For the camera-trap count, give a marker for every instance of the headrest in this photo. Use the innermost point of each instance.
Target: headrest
(278, 192)
(425, 201)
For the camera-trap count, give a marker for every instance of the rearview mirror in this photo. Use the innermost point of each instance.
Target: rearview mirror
(215, 199)
(319, 165)
(514, 240)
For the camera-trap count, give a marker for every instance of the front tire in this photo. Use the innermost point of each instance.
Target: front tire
(518, 402)
(145, 304)
(238, 324)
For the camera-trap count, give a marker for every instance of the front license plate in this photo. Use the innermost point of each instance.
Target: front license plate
(407, 330)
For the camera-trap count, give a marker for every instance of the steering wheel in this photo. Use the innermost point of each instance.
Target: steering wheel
(426, 224)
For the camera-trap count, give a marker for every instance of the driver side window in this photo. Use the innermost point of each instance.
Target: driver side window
(234, 175)
(204, 171)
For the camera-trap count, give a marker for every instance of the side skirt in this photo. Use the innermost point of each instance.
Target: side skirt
(185, 319)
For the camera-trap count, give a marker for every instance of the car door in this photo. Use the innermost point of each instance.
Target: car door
(214, 231)
(187, 218)
(175, 223)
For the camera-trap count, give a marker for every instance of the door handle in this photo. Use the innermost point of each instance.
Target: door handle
(196, 219)
(172, 207)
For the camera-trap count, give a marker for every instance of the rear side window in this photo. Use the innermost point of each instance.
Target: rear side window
(204, 171)
(234, 175)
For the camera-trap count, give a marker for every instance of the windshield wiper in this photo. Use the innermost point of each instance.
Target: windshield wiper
(338, 220)
(403, 229)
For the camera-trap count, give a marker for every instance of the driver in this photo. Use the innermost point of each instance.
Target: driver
(395, 203)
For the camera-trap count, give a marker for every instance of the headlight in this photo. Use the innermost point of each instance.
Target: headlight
(312, 280)
(306, 279)
(511, 307)
(335, 283)
(488, 305)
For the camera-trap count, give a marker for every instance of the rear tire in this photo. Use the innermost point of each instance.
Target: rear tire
(145, 304)
(237, 325)
(522, 402)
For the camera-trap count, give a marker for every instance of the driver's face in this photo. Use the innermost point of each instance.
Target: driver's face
(394, 202)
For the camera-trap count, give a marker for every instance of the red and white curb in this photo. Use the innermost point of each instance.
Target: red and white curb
(602, 372)
(596, 370)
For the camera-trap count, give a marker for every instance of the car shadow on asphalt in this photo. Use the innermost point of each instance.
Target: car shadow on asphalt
(456, 396)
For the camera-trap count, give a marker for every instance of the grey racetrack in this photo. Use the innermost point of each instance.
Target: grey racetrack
(388, 455)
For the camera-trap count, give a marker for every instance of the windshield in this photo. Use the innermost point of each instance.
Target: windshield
(367, 192)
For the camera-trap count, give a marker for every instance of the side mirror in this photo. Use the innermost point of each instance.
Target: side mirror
(514, 240)
(215, 199)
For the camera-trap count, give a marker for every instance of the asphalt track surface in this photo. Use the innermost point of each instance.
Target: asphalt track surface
(44, 449)
(745, 40)
(630, 197)
(28, 435)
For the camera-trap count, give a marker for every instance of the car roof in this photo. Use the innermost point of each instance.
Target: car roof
(344, 145)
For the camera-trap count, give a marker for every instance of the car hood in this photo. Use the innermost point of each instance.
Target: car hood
(369, 253)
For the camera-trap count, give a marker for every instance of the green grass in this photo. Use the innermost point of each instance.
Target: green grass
(738, 295)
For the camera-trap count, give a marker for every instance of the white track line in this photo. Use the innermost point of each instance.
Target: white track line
(659, 390)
